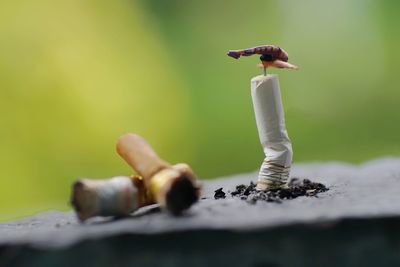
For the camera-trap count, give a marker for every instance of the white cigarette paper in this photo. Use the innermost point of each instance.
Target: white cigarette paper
(270, 119)
(116, 196)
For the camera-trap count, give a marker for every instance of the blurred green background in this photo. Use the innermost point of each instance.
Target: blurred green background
(74, 75)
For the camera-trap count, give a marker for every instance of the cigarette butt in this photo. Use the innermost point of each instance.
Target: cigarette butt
(267, 102)
(118, 196)
(173, 187)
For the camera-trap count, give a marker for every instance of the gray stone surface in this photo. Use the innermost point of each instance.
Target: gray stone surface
(355, 223)
(370, 190)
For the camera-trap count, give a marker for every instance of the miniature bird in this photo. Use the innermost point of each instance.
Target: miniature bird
(271, 56)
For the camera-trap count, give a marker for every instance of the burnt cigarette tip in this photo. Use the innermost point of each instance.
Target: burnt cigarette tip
(76, 187)
(181, 195)
(82, 200)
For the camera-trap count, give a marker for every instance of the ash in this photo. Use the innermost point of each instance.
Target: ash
(296, 188)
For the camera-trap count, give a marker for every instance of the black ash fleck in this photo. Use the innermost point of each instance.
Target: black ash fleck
(219, 193)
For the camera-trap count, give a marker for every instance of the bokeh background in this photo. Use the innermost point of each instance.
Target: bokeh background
(74, 75)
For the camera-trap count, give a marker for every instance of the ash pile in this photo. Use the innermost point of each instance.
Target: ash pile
(296, 188)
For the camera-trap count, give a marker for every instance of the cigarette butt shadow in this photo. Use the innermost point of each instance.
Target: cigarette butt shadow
(156, 209)
(145, 211)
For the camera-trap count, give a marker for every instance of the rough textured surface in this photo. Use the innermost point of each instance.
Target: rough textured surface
(358, 214)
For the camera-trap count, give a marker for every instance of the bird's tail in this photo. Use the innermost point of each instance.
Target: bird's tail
(234, 54)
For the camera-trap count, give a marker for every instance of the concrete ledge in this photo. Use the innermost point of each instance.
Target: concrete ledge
(350, 242)
(357, 218)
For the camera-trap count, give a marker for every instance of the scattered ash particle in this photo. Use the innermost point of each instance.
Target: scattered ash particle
(219, 193)
(240, 189)
(296, 188)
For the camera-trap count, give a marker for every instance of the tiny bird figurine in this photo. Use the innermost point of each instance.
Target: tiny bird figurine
(271, 56)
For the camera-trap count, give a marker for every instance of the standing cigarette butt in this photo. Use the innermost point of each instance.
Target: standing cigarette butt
(270, 119)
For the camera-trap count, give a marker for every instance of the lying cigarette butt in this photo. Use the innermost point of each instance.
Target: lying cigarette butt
(175, 188)
(117, 196)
